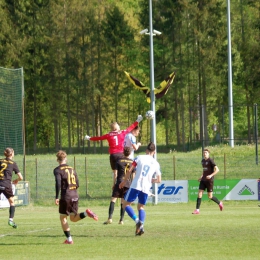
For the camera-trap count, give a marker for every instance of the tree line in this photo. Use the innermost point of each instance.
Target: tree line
(74, 54)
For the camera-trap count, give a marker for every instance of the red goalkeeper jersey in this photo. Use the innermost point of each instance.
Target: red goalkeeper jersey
(115, 139)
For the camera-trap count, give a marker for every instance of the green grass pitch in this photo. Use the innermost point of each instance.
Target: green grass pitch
(171, 232)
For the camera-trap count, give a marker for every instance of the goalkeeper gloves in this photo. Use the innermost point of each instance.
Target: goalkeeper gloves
(87, 137)
(139, 118)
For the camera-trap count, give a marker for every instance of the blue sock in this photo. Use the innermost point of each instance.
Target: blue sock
(142, 215)
(129, 210)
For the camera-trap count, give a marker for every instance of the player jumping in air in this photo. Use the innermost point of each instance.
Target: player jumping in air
(115, 140)
(130, 141)
(123, 164)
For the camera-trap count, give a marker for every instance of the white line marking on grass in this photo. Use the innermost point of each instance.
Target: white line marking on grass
(31, 231)
(40, 230)
(6, 235)
(43, 229)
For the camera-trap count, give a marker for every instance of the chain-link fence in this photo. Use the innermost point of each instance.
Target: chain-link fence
(12, 109)
(95, 175)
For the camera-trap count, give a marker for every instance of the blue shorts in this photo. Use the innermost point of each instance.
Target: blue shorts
(133, 194)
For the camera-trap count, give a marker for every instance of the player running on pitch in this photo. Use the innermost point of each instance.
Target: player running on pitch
(66, 182)
(210, 169)
(7, 167)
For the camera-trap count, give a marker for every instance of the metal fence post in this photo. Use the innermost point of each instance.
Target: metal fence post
(36, 177)
(174, 167)
(256, 134)
(86, 176)
(225, 166)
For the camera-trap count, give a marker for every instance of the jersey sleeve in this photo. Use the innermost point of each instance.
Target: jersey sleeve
(131, 127)
(57, 183)
(213, 164)
(99, 138)
(132, 139)
(158, 170)
(15, 168)
(77, 179)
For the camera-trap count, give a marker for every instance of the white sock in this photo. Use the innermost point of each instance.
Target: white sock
(69, 238)
(136, 220)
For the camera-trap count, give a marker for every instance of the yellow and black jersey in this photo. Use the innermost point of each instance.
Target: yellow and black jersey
(66, 180)
(7, 167)
(122, 166)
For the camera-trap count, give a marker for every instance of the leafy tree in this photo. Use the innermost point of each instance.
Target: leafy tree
(118, 37)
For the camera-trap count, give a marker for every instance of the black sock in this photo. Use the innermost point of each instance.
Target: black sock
(67, 233)
(11, 211)
(111, 209)
(215, 200)
(82, 215)
(122, 213)
(198, 203)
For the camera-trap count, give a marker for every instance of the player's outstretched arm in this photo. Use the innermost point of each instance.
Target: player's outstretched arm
(137, 121)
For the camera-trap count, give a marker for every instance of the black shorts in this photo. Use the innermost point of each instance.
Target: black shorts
(119, 193)
(113, 159)
(7, 191)
(206, 185)
(69, 205)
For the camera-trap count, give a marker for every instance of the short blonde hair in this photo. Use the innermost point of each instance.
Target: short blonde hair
(114, 126)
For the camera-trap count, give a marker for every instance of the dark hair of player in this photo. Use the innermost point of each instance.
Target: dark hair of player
(127, 151)
(151, 147)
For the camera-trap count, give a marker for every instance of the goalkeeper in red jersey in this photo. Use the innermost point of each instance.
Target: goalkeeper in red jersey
(115, 140)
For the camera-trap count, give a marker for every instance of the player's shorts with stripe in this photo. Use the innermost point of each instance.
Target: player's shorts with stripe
(7, 191)
(119, 193)
(133, 194)
(206, 185)
(113, 159)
